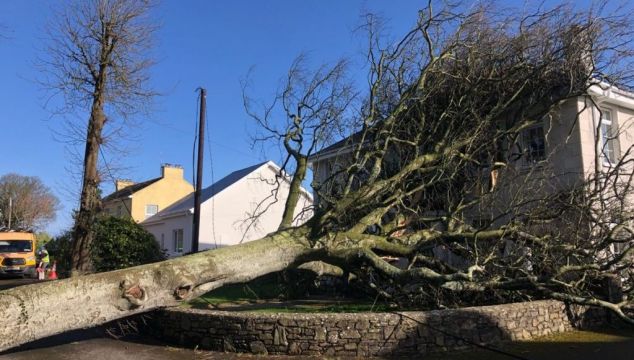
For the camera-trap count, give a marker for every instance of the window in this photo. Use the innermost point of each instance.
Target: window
(150, 210)
(177, 235)
(162, 241)
(530, 147)
(608, 138)
(119, 211)
(533, 145)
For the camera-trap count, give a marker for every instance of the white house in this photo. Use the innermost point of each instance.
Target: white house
(227, 210)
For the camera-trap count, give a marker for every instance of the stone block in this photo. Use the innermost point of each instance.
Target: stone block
(333, 337)
(294, 349)
(286, 322)
(350, 334)
(227, 345)
(264, 326)
(279, 336)
(362, 325)
(439, 340)
(320, 334)
(185, 323)
(258, 348)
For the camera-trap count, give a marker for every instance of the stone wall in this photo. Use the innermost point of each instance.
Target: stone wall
(368, 334)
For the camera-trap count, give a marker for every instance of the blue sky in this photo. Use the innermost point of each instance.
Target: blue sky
(212, 44)
(201, 43)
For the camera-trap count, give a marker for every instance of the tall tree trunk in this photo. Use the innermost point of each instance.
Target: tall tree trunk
(294, 192)
(90, 203)
(37, 311)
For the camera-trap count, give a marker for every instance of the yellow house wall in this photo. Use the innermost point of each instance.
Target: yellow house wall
(163, 193)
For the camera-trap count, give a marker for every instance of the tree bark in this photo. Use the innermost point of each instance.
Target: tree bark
(36, 311)
(294, 193)
(90, 203)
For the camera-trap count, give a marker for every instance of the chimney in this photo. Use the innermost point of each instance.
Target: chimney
(172, 171)
(123, 183)
(578, 42)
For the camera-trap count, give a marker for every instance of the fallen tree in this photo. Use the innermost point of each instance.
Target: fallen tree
(446, 171)
(36, 311)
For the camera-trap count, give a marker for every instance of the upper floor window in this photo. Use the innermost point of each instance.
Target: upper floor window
(608, 135)
(531, 146)
(150, 210)
(534, 144)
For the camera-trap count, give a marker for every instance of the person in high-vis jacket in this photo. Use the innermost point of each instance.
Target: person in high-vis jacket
(43, 264)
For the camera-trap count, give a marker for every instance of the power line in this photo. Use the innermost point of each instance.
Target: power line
(195, 139)
(211, 166)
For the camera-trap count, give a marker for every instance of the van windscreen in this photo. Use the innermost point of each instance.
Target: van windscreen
(15, 246)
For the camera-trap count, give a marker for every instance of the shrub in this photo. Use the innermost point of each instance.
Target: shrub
(119, 243)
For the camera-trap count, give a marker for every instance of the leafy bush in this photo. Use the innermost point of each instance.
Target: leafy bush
(59, 251)
(119, 243)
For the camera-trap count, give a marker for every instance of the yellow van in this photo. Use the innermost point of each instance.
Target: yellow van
(17, 253)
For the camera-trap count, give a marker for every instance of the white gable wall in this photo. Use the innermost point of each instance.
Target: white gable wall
(223, 216)
(164, 230)
(232, 208)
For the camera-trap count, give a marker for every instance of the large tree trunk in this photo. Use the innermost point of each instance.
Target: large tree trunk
(294, 192)
(90, 203)
(36, 311)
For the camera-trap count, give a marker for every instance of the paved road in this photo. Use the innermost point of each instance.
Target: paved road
(9, 282)
(92, 344)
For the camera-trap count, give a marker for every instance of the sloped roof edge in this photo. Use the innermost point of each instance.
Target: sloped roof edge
(129, 190)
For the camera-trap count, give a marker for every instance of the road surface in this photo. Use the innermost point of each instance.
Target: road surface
(9, 282)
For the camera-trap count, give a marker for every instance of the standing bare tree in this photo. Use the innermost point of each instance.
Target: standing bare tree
(456, 167)
(25, 202)
(307, 114)
(98, 62)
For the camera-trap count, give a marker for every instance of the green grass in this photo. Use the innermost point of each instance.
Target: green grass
(264, 288)
(258, 289)
(265, 295)
(323, 308)
(297, 306)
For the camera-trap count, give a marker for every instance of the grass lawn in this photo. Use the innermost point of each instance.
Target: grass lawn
(605, 344)
(265, 295)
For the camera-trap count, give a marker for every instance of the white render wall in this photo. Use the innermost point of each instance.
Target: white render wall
(223, 216)
(623, 117)
(164, 229)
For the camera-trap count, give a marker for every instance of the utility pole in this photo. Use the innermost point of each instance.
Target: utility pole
(199, 170)
(10, 210)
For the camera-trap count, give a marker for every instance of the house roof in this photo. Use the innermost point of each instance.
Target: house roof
(613, 94)
(186, 204)
(207, 193)
(129, 190)
(340, 147)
